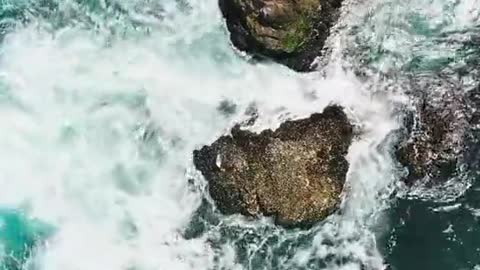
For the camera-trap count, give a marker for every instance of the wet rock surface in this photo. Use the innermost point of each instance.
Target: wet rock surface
(440, 139)
(291, 32)
(295, 173)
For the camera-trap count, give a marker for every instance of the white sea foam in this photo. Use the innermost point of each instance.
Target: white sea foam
(78, 101)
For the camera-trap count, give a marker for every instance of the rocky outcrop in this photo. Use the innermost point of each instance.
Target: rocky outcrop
(295, 173)
(291, 32)
(439, 134)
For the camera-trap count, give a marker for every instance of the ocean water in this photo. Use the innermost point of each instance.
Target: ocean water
(103, 101)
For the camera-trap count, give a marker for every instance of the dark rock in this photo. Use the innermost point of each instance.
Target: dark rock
(295, 174)
(291, 32)
(472, 145)
(437, 131)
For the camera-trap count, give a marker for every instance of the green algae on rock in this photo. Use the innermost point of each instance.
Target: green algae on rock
(287, 31)
(295, 173)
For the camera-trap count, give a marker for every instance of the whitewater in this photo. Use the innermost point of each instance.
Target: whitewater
(102, 103)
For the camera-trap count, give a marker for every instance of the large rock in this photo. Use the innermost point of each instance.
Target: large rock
(291, 32)
(440, 139)
(295, 174)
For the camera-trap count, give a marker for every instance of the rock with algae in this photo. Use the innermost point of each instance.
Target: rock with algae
(291, 32)
(295, 174)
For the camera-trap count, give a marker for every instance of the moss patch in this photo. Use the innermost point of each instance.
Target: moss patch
(298, 34)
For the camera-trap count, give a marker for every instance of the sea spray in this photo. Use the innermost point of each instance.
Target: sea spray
(20, 236)
(103, 102)
(90, 97)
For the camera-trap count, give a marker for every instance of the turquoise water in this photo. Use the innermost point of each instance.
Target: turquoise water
(19, 237)
(103, 101)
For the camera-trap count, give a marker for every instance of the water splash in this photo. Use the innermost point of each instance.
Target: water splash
(102, 103)
(19, 238)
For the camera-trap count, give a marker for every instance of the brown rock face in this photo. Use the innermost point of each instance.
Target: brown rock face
(295, 174)
(291, 32)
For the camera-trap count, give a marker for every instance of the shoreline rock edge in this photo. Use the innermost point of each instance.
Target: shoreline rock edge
(294, 174)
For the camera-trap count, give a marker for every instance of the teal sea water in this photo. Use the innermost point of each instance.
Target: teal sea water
(19, 236)
(103, 101)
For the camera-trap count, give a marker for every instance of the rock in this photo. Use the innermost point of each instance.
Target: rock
(437, 135)
(295, 173)
(291, 32)
(472, 144)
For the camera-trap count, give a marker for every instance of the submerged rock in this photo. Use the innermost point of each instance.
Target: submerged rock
(295, 173)
(291, 32)
(439, 132)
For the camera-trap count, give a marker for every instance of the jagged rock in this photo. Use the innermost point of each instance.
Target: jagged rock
(295, 173)
(438, 131)
(472, 145)
(291, 32)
